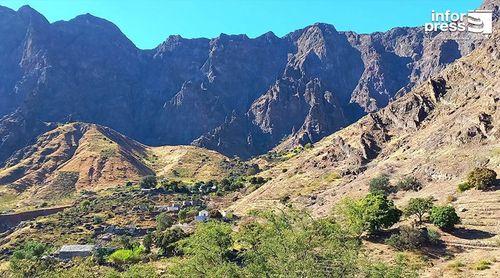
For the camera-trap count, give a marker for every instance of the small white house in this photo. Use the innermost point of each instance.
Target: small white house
(202, 216)
(68, 252)
(171, 208)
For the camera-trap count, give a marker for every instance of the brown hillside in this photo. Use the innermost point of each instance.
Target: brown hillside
(80, 156)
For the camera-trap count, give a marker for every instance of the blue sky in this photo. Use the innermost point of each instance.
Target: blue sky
(147, 23)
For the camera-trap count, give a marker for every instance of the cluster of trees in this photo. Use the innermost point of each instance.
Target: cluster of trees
(287, 243)
(201, 187)
(376, 212)
(381, 184)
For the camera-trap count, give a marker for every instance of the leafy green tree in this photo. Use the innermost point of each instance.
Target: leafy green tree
(148, 182)
(482, 178)
(380, 184)
(163, 221)
(369, 214)
(293, 244)
(444, 217)
(208, 253)
(418, 207)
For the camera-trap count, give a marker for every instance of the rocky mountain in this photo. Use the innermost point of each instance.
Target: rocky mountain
(437, 133)
(238, 95)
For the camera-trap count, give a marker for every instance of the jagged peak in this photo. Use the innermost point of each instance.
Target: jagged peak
(30, 14)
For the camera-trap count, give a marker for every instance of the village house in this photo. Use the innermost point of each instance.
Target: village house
(169, 208)
(202, 216)
(67, 252)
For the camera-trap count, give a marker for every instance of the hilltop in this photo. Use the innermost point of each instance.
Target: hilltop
(80, 156)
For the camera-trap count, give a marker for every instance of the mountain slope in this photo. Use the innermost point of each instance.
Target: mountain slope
(437, 132)
(229, 93)
(80, 156)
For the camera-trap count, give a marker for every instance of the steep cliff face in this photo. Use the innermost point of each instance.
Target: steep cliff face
(437, 132)
(209, 92)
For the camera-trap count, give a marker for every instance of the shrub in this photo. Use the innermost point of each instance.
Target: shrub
(444, 217)
(252, 170)
(126, 256)
(482, 265)
(409, 183)
(139, 271)
(464, 186)
(27, 261)
(147, 242)
(148, 182)
(408, 238)
(369, 214)
(433, 236)
(482, 178)
(257, 180)
(97, 219)
(163, 221)
(418, 207)
(380, 184)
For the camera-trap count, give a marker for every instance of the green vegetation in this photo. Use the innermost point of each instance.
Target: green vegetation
(402, 267)
(418, 207)
(409, 183)
(126, 256)
(163, 221)
(27, 261)
(166, 241)
(482, 265)
(381, 184)
(482, 178)
(408, 238)
(147, 242)
(284, 244)
(464, 186)
(148, 182)
(369, 214)
(444, 217)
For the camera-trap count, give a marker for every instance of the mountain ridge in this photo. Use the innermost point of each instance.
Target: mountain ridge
(86, 69)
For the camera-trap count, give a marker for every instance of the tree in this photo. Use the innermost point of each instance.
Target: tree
(380, 184)
(163, 221)
(408, 238)
(279, 244)
(166, 241)
(444, 217)
(147, 242)
(418, 207)
(148, 182)
(369, 214)
(409, 183)
(482, 178)
(208, 252)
